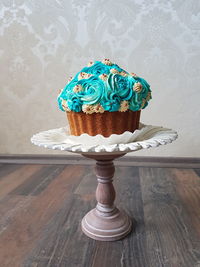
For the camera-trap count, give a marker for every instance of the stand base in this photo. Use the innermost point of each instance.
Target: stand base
(106, 228)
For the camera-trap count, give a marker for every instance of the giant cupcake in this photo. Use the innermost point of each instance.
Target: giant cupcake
(103, 98)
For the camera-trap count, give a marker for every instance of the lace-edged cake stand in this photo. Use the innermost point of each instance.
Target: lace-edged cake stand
(105, 222)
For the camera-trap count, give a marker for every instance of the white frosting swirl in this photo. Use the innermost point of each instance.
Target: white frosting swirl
(69, 80)
(137, 87)
(123, 73)
(103, 77)
(98, 108)
(124, 105)
(134, 75)
(78, 88)
(64, 105)
(84, 75)
(90, 63)
(88, 109)
(148, 96)
(107, 61)
(114, 71)
(143, 102)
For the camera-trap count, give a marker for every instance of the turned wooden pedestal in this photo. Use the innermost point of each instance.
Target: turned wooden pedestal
(106, 222)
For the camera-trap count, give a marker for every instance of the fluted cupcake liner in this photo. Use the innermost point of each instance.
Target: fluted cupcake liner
(106, 123)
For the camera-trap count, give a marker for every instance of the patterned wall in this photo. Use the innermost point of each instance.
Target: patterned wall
(44, 42)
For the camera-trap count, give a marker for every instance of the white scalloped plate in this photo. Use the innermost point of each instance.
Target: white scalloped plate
(147, 136)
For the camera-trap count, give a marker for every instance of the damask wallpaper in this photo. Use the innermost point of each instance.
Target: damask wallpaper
(44, 42)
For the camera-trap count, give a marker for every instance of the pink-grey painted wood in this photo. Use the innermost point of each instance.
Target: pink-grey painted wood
(106, 222)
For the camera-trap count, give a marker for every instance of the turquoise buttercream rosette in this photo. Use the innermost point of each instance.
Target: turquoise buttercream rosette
(104, 86)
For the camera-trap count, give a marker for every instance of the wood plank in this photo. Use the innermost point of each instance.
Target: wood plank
(87, 187)
(38, 181)
(29, 224)
(9, 207)
(129, 197)
(188, 189)
(6, 169)
(63, 243)
(197, 172)
(168, 230)
(14, 179)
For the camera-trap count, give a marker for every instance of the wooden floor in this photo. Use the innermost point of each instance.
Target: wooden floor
(41, 207)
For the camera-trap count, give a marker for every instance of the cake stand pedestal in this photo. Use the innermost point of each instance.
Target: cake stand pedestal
(105, 222)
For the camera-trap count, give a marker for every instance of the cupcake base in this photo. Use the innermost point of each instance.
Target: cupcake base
(106, 123)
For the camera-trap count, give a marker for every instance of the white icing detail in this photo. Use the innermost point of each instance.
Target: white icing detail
(114, 71)
(107, 61)
(123, 73)
(143, 102)
(88, 109)
(64, 105)
(148, 96)
(78, 88)
(98, 108)
(90, 63)
(134, 75)
(124, 105)
(69, 80)
(103, 77)
(84, 75)
(137, 87)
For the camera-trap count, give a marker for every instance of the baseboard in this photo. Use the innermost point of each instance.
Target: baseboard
(166, 162)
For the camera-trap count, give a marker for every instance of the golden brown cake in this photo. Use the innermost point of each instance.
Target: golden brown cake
(106, 123)
(104, 99)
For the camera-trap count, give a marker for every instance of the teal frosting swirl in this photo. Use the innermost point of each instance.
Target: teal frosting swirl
(108, 92)
(94, 90)
(120, 85)
(74, 103)
(111, 102)
(97, 69)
